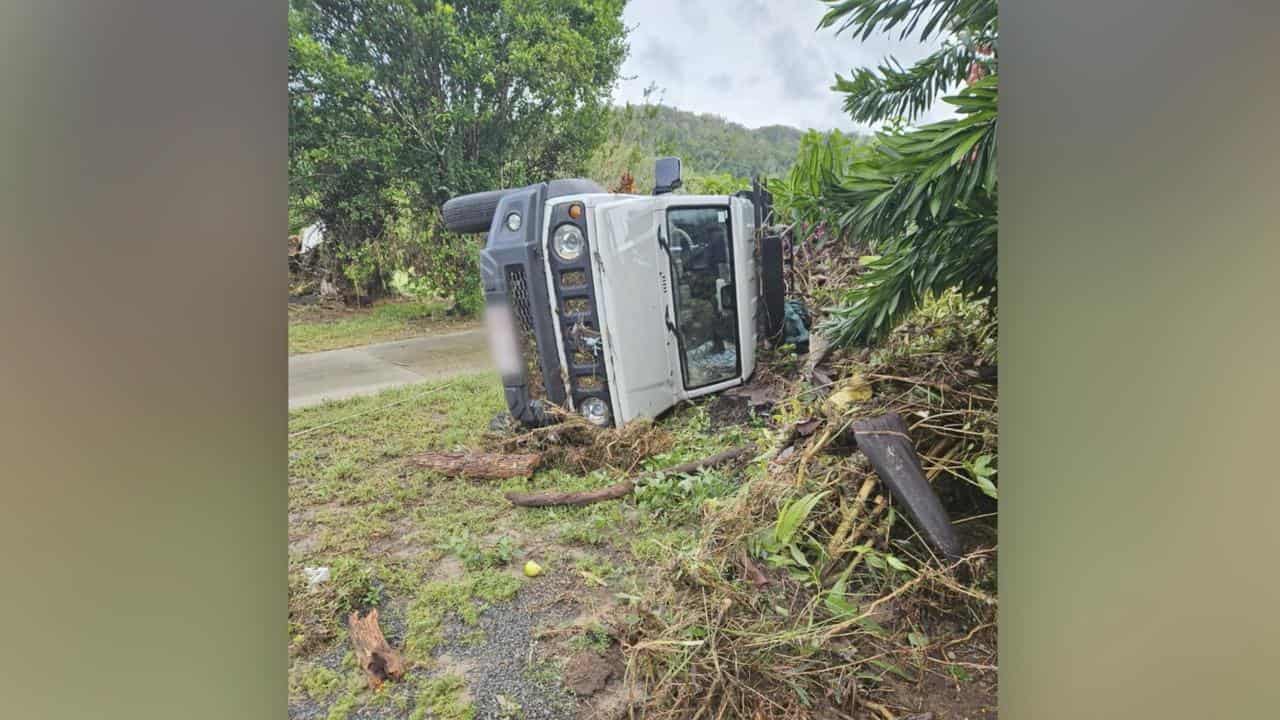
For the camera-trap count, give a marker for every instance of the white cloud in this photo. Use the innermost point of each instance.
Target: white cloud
(750, 62)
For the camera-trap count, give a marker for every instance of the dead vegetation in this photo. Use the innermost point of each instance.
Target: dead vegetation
(576, 446)
(809, 595)
(479, 466)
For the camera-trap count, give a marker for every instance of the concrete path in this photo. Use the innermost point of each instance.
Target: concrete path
(338, 374)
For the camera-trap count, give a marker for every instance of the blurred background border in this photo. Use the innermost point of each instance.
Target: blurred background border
(144, 356)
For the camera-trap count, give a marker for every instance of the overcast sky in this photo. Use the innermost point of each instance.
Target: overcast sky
(754, 62)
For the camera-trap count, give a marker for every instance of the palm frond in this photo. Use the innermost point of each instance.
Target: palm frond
(918, 177)
(926, 202)
(894, 91)
(960, 253)
(930, 17)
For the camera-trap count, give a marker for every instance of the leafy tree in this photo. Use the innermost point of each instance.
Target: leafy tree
(398, 105)
(713, 184)
(925, 199)
(799, 197)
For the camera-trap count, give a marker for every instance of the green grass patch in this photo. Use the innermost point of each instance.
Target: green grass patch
(443, 698)
(428, 551)
(316, 682)
(312, 329)
(594, 638)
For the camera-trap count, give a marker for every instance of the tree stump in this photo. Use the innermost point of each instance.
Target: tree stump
(379, 660)
(480, 466)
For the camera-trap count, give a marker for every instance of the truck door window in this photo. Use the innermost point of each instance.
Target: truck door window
(706, 315)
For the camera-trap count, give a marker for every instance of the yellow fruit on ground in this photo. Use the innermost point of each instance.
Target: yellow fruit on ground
(532, 569)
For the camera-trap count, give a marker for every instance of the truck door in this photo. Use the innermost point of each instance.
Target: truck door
(701, 241)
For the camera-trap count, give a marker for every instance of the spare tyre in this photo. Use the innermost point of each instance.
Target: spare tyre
(474, 213)
(573, 186)
(471, 213)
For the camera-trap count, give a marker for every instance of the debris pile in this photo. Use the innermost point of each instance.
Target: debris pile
(822, 588)
(576, 446)
(852, 573)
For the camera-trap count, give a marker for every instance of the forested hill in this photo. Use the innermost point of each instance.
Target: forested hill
(709, 143)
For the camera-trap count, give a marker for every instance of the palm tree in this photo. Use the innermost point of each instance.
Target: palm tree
(925, 198)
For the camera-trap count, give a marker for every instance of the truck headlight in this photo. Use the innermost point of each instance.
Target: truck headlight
(568, 242)
(595, 411)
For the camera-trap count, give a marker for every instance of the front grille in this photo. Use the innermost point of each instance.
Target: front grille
(519, 299)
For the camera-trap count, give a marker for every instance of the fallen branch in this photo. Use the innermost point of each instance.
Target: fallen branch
(482, 466)
(620, 489)
(379, 660)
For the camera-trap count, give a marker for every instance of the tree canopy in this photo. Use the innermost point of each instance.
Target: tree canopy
(397, 105)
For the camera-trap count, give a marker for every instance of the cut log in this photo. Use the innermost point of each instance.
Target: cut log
(886, 443)
(379, 660)
(479, 466)
(620, 489)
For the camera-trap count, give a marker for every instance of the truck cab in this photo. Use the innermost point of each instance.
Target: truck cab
(618, 307)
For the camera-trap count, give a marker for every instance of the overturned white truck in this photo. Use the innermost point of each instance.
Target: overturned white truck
(620, 306)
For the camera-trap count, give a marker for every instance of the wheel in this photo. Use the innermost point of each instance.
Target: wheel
(471, 213)
(474, 213)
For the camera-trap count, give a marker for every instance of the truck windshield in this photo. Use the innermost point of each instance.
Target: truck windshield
(705, 308)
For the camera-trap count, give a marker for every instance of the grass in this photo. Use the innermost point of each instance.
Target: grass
(435, 553)
(428, 551)
(313, 328)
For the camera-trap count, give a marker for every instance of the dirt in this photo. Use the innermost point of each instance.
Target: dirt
(937, 692)
(728, 411)
(401, 542)
(740, 405)
(587, 673)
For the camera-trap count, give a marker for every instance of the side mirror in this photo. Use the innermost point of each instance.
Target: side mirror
(666, 175)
